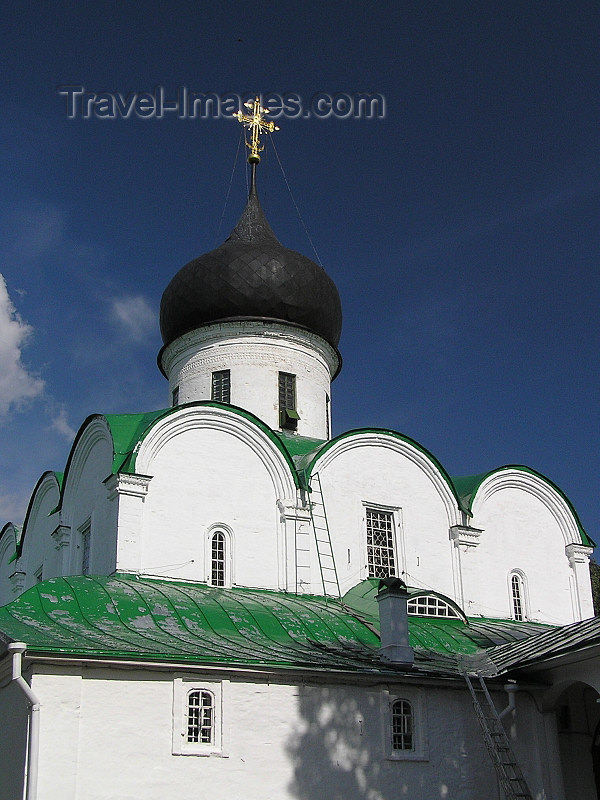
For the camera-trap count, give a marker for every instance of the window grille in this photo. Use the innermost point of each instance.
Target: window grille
(516, 587)
(200, 717)
(221, 386)
(429, 606)
(381, 561)
(402, 726)
(217, 573)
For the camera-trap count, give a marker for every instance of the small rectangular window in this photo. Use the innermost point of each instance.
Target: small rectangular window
(221, 386)
(175, 396)
(381, 558)
(39, 574)
(288, 416)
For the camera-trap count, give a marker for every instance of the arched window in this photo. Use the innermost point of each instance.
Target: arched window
(200, 717)
(217, 559)
(517, 596)
(430, 606)
(402, 726)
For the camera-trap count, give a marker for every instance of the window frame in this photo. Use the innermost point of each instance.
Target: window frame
(197, 721)
(85, 533)
(287, 396)
(416, 699)
(218, 560)
(518, 576)
(401, 710)
(219, 527)
(183, 688)
(422, 604)
(397, 538)
(220, 384)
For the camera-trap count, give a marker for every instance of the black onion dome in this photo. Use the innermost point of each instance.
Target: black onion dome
(251, 276)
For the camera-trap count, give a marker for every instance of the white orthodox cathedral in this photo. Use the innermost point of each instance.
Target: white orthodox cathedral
(220, 600)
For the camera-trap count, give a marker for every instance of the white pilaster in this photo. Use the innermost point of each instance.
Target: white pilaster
(579, 561)
(129, 492)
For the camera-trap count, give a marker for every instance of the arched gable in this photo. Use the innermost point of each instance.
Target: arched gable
(198, 416)
(389, 506)
(92, 454)
(211, 465)
(402, 445)
(532, 536)
(8, 557)
(536, 485)
(38, 523)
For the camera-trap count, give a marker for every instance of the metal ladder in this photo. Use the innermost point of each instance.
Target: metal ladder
(329, 576)
(507, 769)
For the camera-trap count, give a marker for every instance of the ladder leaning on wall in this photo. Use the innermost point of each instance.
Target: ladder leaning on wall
(318, 515)
(509, 773)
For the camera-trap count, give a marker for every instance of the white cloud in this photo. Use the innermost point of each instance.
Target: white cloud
(135, 316)
(17, 383)
(60, 424)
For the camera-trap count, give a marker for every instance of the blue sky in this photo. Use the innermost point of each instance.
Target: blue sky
(461, 229)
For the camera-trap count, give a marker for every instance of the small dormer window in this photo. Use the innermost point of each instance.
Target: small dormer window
(288, 415)
(431, 606)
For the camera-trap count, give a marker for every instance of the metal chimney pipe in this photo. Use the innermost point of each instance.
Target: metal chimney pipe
(393, 622)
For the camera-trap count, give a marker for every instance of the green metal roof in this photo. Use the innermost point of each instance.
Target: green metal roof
(468, 485)
(298, 446)
(125, 617)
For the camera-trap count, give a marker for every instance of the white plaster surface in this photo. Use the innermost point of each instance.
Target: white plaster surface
(255, 353)
(107, 733)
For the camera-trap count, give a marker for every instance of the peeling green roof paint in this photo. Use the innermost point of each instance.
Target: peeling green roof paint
(122, 617)
(468, 486)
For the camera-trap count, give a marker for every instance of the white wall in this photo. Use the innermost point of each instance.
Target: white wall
(211, 467)
(523, 532)
(255, 353)
(379, 470)
(108, 733)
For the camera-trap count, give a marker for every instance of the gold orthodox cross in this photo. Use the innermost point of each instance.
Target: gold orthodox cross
(257, 124)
